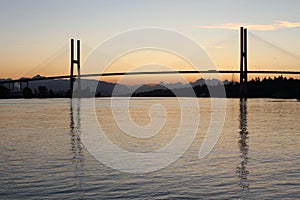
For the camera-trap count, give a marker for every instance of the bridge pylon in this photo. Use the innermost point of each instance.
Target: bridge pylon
(243, 63)
(75, 62)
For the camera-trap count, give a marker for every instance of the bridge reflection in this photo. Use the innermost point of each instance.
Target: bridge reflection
(241, 170)
(76, 147)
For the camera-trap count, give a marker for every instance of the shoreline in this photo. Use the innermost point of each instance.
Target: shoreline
(104, 97)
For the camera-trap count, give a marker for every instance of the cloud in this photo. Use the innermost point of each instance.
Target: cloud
(260, 27)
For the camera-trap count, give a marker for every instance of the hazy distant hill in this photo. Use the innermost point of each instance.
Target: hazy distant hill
(104, 88)
(107, 89)
(279, 87)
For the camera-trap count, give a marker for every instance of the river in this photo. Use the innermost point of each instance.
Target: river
(256, 157)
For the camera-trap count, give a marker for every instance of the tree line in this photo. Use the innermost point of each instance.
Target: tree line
(278, 87)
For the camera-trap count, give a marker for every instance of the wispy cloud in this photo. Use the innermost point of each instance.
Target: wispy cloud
(261, 27)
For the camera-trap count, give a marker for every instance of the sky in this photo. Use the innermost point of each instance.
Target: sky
(35, 34)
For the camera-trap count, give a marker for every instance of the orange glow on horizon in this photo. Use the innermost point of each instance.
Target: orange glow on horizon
(148, 60)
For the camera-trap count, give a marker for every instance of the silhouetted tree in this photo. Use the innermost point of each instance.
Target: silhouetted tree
(42, 91)
(4, 92)
(51, 93)
(27, 93)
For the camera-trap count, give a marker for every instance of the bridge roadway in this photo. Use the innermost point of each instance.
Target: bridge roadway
(149, 73)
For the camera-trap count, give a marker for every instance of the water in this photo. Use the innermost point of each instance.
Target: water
(256, 157)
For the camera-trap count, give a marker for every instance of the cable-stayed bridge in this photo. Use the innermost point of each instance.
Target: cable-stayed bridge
(243, 71)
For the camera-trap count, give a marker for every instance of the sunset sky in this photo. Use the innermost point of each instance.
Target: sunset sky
(35, 34)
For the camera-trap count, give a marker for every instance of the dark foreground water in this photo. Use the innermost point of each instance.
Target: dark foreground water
(256, 157)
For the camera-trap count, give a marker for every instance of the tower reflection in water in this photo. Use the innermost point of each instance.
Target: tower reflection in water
(241, 170)
(76, 145)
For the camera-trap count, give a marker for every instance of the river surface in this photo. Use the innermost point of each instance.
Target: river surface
(256, 157)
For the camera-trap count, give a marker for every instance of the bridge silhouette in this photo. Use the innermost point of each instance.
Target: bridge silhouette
(243, 72)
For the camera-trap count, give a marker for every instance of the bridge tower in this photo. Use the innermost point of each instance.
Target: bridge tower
(73, 62)
(243, 63)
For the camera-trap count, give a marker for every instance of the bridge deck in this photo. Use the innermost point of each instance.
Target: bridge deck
(149, 73)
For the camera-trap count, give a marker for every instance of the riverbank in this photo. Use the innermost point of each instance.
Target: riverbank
(279, 87)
